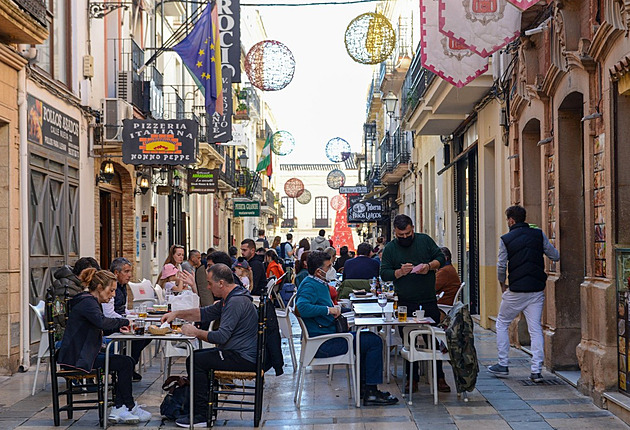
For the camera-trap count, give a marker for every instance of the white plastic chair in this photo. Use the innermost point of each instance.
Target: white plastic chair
(310, 345)
(43, 342)
(284, 322)
(412, 353)
(159, 293)
(143, 292)
(458, 297)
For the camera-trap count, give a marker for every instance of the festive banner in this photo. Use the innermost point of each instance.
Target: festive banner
(484, 26)
(446, 58)
(523, 4)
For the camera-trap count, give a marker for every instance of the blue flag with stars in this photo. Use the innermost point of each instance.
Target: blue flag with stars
(201, 55)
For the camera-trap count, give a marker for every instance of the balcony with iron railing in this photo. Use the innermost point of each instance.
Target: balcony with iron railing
(373, 177)
(321, 222)
(23, 21)
(228, 173)
(414, 87)
(253, 102)
(289, 223)
(395, 156)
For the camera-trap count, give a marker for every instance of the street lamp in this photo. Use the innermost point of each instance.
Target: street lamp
(242, 158)
(390, 101)
(106, 174)
(176, 179)
(143, 185)
(163, 174)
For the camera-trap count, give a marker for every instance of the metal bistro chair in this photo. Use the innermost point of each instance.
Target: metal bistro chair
(40, 311)
(78, 383)
(284, 322)
(243, 391)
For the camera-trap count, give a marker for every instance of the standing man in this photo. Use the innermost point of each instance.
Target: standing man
(194, 266)
(320, 242)
(248, 250)
(416, 252)
(236, 338)
(262, 240)
(521, 255)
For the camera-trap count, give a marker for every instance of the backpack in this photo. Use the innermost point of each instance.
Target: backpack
(285, 260)
(177, 401)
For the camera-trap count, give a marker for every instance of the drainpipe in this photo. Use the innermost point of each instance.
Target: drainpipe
(25, 347)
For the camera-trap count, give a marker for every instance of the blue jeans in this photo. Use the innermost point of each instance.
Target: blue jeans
(371, 355)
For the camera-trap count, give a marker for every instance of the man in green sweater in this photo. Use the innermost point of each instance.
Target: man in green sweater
(411, 260)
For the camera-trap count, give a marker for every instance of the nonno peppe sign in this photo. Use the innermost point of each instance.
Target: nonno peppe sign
(156, 142)
(370, 210)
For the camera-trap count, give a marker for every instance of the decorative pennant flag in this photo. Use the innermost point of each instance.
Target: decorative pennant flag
(264, 165)
(201, 54)
(484, 26)
(523, 4)
(445, 57)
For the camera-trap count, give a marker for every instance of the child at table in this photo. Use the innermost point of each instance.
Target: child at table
(83, 340)
(244, 273)
(172, 283)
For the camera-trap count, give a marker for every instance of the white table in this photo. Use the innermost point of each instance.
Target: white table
(372, 322)
(371, 308)
(121, 337)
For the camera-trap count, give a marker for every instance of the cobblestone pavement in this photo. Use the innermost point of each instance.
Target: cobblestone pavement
(510, 403)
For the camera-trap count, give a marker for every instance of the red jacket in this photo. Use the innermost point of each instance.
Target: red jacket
(274, 269)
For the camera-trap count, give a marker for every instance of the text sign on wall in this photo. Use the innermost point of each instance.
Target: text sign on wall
(203, 181)
(246, 209)
(221, 125)
(230, 36)
(359, 189)
(51, 128)
(370, 210)
(150, 142)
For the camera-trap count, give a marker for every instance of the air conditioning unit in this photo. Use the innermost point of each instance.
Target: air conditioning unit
(114, 112)
(124, 86)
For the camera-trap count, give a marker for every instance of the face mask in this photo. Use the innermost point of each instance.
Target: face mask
(405, 242)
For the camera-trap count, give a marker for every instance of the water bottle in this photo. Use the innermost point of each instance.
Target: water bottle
(373, 285)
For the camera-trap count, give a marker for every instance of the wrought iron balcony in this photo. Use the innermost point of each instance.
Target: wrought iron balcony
(395, 156)
(268, 198)
(321, 222)
(415, 86)
(289, 223)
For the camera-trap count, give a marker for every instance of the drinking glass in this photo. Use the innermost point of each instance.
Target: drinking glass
(138, 327)
(402, 313)
(143, 311)
(382, 302)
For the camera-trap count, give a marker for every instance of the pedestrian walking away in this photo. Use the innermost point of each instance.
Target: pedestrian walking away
(521, 252)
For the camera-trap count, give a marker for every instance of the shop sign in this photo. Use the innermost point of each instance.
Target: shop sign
(230, 34)
(158, 142)
(221, 124)
(359, 189)
(51, 128)
(247, 209)
(370, 210)
(203, 181)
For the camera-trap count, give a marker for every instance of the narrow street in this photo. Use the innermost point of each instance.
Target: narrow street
(496, 404)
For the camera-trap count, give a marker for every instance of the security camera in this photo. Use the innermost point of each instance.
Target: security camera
(542, 27)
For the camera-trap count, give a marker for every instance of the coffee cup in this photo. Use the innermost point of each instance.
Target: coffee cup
(389, 316)
(419, 314)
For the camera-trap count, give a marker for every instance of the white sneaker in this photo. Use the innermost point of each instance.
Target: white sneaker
(144, 416)
(123, 415)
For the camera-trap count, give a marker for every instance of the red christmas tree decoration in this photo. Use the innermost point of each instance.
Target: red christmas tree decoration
(342, 235)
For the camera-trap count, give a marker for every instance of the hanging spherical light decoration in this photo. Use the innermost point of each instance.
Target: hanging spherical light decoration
(370, 38)
(338, 203)
(282, 143)
(305, 197)
(336, 179)
(270, 65)
(337, 150)
(293, 187)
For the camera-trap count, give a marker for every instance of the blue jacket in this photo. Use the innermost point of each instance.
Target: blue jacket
(312, 301)
(361, 267)
(83, 337)
(120, 300)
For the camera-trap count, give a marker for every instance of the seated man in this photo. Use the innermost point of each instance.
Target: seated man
(236, 337)
(447, 280)
(362, 266)
(317, 311)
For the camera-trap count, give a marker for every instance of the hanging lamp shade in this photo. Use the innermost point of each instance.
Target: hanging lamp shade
(370, 38)
(282, 143)
(293, 188)
(483, 26)
(270, 65)
(305, 197)
(336, 179)
(338, 203)
(337, 150)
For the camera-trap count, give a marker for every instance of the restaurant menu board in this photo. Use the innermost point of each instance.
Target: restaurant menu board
(623, 321)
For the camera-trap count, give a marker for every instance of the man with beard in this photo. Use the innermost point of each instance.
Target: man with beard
(248, 250)
(417, 288)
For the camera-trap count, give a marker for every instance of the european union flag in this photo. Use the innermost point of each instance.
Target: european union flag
(201, 54)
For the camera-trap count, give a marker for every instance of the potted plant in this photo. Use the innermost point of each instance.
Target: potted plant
(241, 111)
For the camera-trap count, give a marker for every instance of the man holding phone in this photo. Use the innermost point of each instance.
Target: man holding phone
(410, 260)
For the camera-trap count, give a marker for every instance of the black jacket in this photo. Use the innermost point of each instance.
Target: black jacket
(66, 281)
(258, 273)
(120, 300)
(526, 266)
(83, 337)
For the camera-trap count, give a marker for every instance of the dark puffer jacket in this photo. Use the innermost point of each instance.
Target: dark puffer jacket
(83, 337)
(66, 281)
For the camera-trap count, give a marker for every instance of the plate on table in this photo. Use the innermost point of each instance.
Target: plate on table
(362, 293)
(154, 312)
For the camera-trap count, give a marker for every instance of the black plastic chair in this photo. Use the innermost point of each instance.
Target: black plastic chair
(89, 386)
(254, 393)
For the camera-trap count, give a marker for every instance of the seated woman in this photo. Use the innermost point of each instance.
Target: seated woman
(318, 313)
(302, 270)
(273, 264)
(447, 280)
(83, 340)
